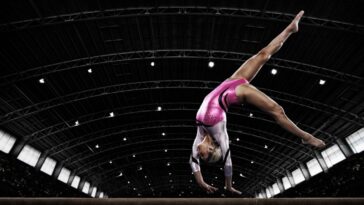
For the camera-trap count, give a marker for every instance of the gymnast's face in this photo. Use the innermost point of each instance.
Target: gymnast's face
(204, 150)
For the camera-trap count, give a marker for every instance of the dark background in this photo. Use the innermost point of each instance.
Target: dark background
(60, 40)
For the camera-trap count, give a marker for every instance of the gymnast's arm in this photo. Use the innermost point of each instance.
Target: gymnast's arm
(195, 165)
(200, 181)
(228, 166)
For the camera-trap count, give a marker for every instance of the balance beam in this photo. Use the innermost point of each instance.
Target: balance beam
(182, 201)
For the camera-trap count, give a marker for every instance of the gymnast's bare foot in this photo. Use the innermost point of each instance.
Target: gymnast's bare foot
(314, 141)
(293, 26)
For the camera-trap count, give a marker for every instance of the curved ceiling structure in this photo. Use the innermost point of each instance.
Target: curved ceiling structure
(94, 58)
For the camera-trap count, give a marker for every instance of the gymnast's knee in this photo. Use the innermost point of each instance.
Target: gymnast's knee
(264, 55)
(277, 111)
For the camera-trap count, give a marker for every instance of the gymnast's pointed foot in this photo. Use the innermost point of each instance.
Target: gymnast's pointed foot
(311, 140)
(293, 26)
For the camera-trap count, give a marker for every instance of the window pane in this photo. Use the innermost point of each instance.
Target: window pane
(48, 166)
(86, 188)
(75, 182)
(101, 195)
(314, 167)
(29, 155)
(332, 155)
(298, 176)
(6, 142)
(286, 183)
(64, 175)
(275, 189)
(93, 194)
(268, 193)
(356, 141)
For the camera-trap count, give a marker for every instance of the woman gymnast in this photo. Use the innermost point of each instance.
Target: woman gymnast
(212, 142)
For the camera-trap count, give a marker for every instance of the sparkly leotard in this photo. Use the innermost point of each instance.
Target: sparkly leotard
(211, 118)
(216, 103)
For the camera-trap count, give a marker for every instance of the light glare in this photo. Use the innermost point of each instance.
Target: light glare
(273, 71)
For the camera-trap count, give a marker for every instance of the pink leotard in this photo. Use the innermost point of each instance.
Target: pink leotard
(215, 105)
(211, 118)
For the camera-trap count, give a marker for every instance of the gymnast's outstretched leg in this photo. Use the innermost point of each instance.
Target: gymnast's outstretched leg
(251, 67)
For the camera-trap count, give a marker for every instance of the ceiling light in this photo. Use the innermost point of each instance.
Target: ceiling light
(124, 138)
(273, 71)
(121, 174)
(128, 182)
(159, 108)
(251, 115)
(77, 123)
(89, 70)
(211, 64)
(110, 162)
(97, 146)
(241, 175)
(111, 114)
(134, 155)
(140, 168)
(163, 134)
(169, 173)
(265, 146)
(238, 139)
(168, 164)
(166, 150)
(41, 80)
(152, 64)
(252, 162)
(322, 82)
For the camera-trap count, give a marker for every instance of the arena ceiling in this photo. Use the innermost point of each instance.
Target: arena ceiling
(95, 59)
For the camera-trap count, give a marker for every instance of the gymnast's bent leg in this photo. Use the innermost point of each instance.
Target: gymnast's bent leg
(257, 98)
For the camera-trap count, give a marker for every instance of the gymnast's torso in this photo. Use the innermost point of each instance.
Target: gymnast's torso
(215, 105)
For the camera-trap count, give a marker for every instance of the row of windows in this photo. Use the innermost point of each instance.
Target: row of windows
(30, 156)
(331, 156)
